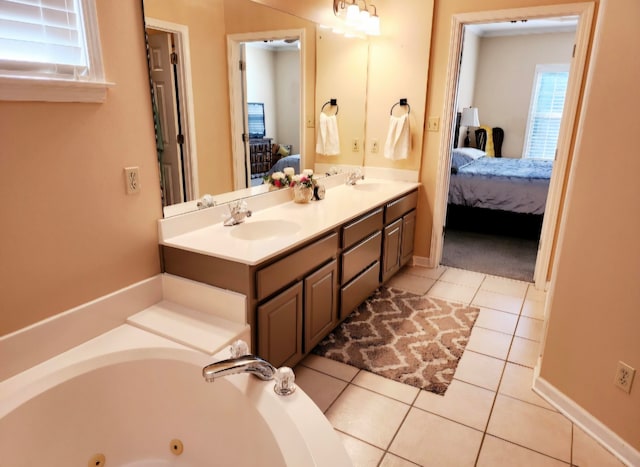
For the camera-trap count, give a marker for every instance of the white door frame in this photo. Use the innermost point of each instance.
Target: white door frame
(185, 89)
(237, 96)
(584, 11)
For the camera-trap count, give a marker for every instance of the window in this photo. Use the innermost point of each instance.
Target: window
(50, 50)
(545, 112)
(255, 116)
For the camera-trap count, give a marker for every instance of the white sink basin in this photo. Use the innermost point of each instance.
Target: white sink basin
(260, 230)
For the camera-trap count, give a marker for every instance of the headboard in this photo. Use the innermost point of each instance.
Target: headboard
(497, 135)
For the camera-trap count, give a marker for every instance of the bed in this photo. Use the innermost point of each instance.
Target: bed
(288, 161)
(497, 194)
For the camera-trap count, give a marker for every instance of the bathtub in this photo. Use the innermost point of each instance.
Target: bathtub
(132, 398)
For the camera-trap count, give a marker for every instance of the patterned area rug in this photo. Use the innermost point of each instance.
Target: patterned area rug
(409, 338)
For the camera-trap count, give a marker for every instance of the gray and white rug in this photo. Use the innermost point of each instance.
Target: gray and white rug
(413, 339)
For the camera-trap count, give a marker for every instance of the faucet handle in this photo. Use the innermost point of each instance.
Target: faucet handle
(285, 378)
(239, 348)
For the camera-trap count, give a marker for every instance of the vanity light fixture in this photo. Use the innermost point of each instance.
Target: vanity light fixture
(357, 18)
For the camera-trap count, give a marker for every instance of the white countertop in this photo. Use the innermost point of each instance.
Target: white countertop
(288, 224)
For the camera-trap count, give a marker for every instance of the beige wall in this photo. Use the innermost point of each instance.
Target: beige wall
(208, 50)
(287, 84)
(504, 80)
(261, 84)
(467, 78)
(69, 233)
(595, 299)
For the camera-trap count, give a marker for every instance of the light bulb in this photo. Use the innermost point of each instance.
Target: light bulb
(373, 25)
(353, 13)
(363, 20)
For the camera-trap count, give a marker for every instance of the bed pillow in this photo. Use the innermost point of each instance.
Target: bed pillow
(463, 156)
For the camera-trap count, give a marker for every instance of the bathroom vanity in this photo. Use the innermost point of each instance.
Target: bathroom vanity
(303, 268)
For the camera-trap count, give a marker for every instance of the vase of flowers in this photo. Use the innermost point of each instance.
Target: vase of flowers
(278, 180)
(303, 185)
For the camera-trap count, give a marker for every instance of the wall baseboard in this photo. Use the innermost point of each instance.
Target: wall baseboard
(591, 425)
(421, 261)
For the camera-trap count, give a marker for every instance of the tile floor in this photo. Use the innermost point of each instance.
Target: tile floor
(489, 415)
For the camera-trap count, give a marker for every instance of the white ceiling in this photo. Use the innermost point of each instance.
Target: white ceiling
(532, 26)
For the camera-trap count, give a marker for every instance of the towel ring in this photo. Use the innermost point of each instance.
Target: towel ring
(402, 102)
(332, 103)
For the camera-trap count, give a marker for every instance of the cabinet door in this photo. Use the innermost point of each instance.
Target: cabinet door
(320, 304)
(408, 232)
(391, 249)
(280, 327)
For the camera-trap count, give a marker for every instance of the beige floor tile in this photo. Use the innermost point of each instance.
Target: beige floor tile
(322, 389)
(452, 292)
(505, 286)
(517, 381)
(587, 452)
(531, 426)
(498, 301)
(331, 367)
(367, 416)
(411, 283)
(478, 369)
(387, 387)
(463, 277)
(391, 460)
(535, 294)
(495, 320)
(488, 342)
(533, 309)
(530, 328)
(361, 453)
(462, 402)
(524, 352)
(430, 440)
(431, 273)
(499, 453)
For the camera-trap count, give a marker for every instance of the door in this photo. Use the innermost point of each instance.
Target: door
(320, 304)
(408, 232)
(164, 86)
(391, 249)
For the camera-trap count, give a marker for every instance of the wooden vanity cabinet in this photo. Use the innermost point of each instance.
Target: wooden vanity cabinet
(399, 231)
(320, 304)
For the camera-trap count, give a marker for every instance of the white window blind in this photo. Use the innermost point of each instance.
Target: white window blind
(545, 113)
(43, 38)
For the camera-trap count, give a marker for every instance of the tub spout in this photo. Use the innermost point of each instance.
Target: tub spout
(244, 364)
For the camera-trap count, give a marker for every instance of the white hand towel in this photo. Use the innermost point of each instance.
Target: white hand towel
(398, 142)
(328, 141)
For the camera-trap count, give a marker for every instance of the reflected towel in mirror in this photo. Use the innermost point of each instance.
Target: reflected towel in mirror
(398, 141)
(328, 142)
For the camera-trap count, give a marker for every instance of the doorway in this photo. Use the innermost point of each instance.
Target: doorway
(266, 87)
(170, 73)
(584, 14)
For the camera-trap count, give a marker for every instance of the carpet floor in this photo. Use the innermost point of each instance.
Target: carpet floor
(413, 339)
(510, 257)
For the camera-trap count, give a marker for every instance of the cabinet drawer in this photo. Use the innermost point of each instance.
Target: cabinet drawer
(359, 289)
(361, 228)
(396, 209)
(275, 276)
(360, 256)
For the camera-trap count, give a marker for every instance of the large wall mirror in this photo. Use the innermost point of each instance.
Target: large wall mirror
(294, 67)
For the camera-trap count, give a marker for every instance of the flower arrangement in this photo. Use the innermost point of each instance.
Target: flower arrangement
(280, 179)
(305, 179)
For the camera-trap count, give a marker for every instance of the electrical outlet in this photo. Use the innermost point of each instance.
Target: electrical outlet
(375, 146)
(433, 124)
(132, 180)
(355, 145)
(624, 376)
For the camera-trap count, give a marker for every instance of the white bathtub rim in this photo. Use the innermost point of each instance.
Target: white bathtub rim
(303, 434)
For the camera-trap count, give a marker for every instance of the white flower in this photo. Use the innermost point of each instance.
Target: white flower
(307, 172)
(289, 171)
(277, 175)
(296, 178)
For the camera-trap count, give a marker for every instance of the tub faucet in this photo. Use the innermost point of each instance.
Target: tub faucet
(244, 364)
(354, 176)
(238, 210)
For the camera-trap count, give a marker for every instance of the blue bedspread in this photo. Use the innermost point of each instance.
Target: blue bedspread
(288, 161)
(516, 185)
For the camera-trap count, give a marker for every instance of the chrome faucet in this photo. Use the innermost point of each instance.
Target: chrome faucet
(238, 210)
(244, 364)
(354, 176)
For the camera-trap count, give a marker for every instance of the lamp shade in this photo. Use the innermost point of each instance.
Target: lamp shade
(470, 117)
